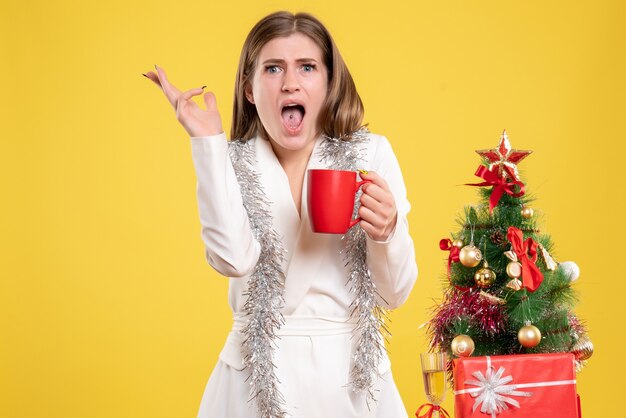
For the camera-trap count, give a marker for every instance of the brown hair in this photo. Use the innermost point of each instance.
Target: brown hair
(342, 112)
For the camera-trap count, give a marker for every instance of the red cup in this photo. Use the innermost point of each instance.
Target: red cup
(330, 200)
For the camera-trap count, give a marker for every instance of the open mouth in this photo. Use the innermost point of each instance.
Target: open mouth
(292, 115)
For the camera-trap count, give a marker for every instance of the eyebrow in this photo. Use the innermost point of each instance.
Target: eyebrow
(282, 61)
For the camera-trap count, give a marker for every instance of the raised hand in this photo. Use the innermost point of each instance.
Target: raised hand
(195, 120)
(378, 210)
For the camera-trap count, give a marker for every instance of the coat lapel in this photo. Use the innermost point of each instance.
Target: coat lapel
(309, 248)
(285, 219)
(305, 249)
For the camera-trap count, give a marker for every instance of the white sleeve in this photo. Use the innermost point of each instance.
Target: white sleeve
(392, 262)
(230, 246)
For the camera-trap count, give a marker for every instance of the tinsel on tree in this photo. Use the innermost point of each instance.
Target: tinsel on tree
(504, 292)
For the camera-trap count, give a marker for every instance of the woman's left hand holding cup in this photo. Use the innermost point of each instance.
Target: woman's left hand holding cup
(378, 210)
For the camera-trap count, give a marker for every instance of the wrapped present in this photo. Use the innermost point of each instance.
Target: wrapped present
(525, 385)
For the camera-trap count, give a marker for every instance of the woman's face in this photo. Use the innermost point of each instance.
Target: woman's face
(289, 86)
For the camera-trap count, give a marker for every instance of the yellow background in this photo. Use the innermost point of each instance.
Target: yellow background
(107, 306)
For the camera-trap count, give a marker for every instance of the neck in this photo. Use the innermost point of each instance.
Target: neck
(294, 163)
(292, 159)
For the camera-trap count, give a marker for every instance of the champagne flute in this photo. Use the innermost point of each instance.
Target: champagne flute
(434, 373)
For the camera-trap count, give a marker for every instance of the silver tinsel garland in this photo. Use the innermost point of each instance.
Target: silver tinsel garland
(343, 154)
(265, 288)
(266, 285)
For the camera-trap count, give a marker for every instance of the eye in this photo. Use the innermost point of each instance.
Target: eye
(272, 69)
(307, 68)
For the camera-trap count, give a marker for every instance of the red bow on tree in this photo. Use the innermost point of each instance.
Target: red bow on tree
(500, 185)
(446, 245)
(429, 411)
(526, 252)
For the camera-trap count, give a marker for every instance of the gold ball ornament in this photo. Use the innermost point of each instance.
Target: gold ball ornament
(485, 277)
(462, 346)
(527, 212)
(458, 243)
(529, 336)
(514, 269)
(470, 256)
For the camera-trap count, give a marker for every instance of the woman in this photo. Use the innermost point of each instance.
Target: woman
(307, 307)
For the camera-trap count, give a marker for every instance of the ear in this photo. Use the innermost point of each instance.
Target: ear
(249, 95)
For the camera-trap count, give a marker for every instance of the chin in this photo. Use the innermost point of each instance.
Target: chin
(295, 142)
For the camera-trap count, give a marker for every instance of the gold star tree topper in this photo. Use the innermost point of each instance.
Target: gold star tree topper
(504, 158)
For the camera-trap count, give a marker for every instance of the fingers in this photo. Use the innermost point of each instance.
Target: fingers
(185, 106)
(195, 120)
(376, 225)
(168, 87)
(374, 178)
(210, 102)
(171, 92)
(160, 79)
(174, 95)
(375, 205)
(376, 213)
(378, 207)
(378, 189)
(368, 228)
(209, 99)
(190, 93)
(369, 216)
(377, 193)
(153, 77)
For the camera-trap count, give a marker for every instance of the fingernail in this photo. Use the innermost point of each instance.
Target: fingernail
(155, 67)
(203, 87)
(145, 75)
(363, 171)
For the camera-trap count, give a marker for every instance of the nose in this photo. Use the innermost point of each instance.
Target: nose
(290, 81)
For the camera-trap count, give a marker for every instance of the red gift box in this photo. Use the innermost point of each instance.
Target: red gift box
(525, 385)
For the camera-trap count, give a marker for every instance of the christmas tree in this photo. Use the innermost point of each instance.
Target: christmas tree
(504, 292)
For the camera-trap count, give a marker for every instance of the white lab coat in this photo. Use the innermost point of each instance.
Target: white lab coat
(314, 348)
